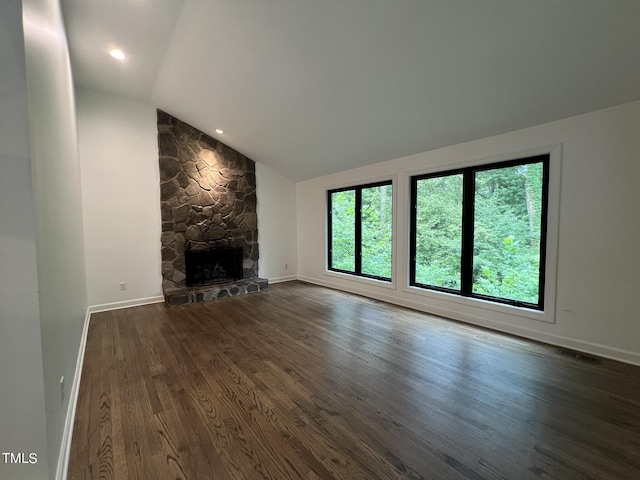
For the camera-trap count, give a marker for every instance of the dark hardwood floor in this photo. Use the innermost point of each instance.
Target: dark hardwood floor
(306, 382)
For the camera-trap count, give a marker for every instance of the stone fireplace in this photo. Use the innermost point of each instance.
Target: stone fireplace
(208, 203)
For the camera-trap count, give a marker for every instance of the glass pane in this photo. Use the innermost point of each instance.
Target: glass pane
(343, 231)
(377, 231)
(439, 231)
(507, 225)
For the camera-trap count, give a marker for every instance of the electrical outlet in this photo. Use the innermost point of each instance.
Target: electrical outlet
(123, 285)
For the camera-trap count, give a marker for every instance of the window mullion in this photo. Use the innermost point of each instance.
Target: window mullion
(358, 232)
(468, 201)
(414, 228)
(543, 231)
(330, 230)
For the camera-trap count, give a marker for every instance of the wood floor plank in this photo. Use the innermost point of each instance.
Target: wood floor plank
(304, 382)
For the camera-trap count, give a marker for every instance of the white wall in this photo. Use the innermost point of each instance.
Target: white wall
(277, 234)
(121, 198)
(22, 403)
(599, 228)
(58, 213)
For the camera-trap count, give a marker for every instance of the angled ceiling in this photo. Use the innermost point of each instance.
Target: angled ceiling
(315, 87)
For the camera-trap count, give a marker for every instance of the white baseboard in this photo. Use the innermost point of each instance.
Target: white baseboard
(67, 434)
(288, 278)
(105, 307)
(600, 350)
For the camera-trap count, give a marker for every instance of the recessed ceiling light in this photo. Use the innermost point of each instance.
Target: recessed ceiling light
(119, 54)
(219, 130)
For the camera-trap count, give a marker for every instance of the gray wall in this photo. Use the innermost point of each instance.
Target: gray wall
(22, 406)
(58, 208)
(43, 300)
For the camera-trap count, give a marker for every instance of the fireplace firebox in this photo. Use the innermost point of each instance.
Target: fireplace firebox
(216, 265)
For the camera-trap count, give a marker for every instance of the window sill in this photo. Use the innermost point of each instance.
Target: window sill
(364, 280)
(547, 315)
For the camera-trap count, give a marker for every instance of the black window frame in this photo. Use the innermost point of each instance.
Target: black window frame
(357, 228)
(468, 214)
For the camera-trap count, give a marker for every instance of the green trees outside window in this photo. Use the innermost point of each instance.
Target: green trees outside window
(480, 231)
(343, 231)
(438, 231)
(507, 232)
(361, 230)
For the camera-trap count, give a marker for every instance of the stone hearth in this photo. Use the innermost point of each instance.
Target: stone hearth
(207, 200)
(212, 292)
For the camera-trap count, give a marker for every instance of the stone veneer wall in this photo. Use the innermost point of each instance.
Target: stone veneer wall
(207, 198)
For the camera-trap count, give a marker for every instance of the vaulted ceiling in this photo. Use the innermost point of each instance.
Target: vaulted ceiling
(310, 87)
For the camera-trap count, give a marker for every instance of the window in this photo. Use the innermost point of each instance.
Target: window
(360, 230)
(481, 231)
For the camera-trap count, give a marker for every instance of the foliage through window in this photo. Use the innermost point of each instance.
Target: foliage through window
(480, 231)
(360, 230)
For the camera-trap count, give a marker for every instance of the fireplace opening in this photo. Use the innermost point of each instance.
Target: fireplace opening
(217, 265)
